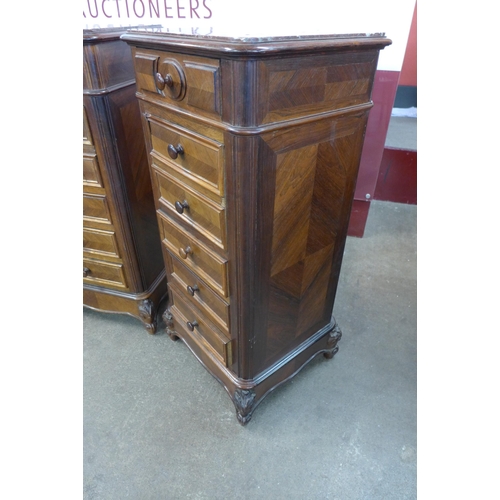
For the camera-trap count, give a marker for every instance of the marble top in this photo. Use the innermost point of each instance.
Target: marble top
(252, 43)
(254, 37)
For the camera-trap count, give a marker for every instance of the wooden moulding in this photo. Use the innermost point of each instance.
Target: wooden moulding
(143, 306)
(225, 46)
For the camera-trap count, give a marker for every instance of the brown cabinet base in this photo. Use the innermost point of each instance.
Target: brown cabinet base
(246, 394)
(143, 306)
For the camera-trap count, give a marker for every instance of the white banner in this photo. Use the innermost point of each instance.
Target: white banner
(263, 18)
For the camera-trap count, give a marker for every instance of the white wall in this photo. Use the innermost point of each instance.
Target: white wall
(265, 17)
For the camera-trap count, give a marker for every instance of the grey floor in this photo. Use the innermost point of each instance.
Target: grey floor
(157, 425)
(402, 133)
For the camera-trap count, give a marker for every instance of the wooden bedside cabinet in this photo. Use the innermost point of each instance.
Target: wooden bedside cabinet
(123, 269)
(254, 148)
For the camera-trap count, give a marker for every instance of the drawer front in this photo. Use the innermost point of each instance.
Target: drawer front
(95, 207)
(196, 256)
(103, 273)
(103, 242)
(181, 80)
(195, 323)
(200, 212)
(91, 174)
(87, 136)
(197, 293)
(196, 157)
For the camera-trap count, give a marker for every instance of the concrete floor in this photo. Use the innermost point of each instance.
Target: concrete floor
(402, 133)
(157, 425)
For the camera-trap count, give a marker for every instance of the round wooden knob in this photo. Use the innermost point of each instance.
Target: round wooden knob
(192, 289)
(174, 151)
(173, 84)
(162, 82)
(184, 252)
(86, 272)
(192, 324)
(180, 206)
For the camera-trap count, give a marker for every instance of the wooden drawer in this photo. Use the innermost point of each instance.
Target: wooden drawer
(98, 241)
(196, 256)
(195, 209)
(184, 81)
(91, 173)
(197, 293)
(195, 323)
(95, 208)
(103, 273)
(196, 157)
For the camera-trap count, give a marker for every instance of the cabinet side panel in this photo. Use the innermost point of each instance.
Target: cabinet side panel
(134, 170)
(311, 175)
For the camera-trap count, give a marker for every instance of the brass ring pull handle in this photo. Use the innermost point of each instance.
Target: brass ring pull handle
(184, 252)
(192, 324)
(86, 272)
(174, 151)
(162, 82)
(180, 206)
(192, 289)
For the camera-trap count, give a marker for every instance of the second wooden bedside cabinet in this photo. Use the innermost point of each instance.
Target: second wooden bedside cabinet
(123, 269)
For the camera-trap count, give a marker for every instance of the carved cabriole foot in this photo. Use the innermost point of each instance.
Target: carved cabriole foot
(333, 338)
(247, 394)
(168, 319)
(147, 314)
(244, 402)
(172, 335)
